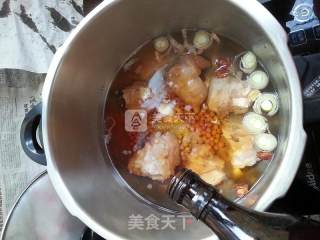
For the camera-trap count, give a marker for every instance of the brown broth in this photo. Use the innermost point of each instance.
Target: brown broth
(120, 146)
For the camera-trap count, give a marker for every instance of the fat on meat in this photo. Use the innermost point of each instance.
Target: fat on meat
(158, 158)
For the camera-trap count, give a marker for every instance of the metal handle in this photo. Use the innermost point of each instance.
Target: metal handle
(28, 135)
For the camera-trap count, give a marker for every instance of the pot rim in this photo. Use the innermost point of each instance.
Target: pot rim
(296, 134)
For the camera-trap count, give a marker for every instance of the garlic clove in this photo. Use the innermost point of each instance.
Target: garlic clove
(265, 142)
(202, 40)
(255, 123)
(161, 44)
(258, 80)
(248, 62)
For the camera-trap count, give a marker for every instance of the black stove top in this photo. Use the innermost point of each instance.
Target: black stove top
(300, 18)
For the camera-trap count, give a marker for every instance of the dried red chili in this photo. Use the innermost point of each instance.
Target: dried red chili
(222, 67)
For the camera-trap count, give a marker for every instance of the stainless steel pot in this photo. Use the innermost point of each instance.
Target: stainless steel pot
(82, 71)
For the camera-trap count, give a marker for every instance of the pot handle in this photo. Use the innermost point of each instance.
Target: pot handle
(311, 114)
(28, 135)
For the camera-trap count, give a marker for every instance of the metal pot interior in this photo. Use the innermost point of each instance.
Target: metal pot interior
(79, 164)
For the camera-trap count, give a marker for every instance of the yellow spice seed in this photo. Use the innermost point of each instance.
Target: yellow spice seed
(237, 173)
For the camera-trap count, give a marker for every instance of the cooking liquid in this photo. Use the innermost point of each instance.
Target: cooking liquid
(121, 144)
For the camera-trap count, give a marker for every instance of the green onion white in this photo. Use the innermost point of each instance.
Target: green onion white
(253, 95)
(266, 106)
(266, 103)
